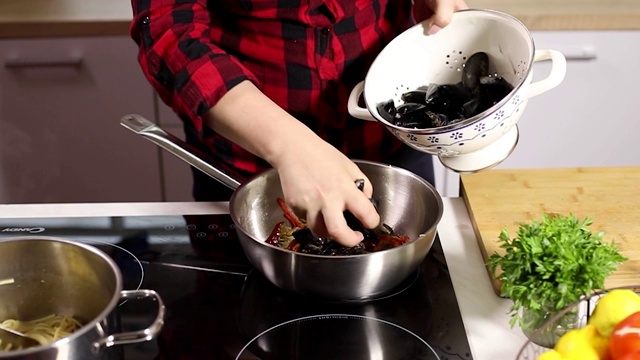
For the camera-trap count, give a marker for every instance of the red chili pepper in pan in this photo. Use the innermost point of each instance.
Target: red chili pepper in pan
(293, 246)
(275, 234)
(390, 241)
(289, 215)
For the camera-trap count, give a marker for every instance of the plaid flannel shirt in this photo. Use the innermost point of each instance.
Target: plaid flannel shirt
(304, 55)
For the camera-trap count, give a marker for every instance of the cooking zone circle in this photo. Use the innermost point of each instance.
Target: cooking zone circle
(334, 336)
(129, 265)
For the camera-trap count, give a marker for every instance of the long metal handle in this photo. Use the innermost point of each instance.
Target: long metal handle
(192, 156)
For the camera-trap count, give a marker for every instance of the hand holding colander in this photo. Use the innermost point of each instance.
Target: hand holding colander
(415, 59)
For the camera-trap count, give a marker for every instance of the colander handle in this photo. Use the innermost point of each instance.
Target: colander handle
(556, 75)
(356, 110)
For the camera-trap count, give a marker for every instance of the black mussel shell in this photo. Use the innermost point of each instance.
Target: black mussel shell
(355, 225)
(305, 237)
(309, 243)
(493, 90)
(448, 100)
(415, 96)
(409, 108)
(436, 119)
(387, 110)
(412, 115)
(472, 107)
(476, 67)
(440, 105)
(336, 249)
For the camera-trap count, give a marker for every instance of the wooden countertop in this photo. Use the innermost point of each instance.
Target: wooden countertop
(54, 18)
(569, 14)
(501, 199)
(39, 18)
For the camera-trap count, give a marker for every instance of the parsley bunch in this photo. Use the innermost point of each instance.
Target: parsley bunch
(552, 263)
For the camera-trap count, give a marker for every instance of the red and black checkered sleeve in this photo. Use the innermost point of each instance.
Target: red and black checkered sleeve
(178, 57)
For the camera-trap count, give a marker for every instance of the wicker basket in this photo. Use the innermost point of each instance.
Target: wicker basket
(583, 309)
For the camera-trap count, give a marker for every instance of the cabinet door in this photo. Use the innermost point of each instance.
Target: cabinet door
(589, 120)
(178, 182)
(60, 138)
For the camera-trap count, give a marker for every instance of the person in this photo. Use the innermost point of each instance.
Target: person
(265, 83)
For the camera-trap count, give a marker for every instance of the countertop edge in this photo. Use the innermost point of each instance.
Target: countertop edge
(111, 209)
(485, 315)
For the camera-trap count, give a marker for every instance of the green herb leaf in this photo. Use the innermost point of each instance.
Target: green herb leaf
(552, 263)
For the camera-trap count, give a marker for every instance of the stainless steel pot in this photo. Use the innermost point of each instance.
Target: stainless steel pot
(56, 276)
(406, 202)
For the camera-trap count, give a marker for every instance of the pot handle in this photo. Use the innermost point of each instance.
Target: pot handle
(352, 105)
(140, 335)
(556, 75)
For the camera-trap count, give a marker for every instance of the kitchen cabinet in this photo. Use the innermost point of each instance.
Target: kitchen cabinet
(61, 100)
(591, 119)
(176, 174)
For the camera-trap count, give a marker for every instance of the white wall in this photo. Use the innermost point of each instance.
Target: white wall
(591, 119)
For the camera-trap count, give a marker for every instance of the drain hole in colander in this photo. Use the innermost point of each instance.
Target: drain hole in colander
(455, 61)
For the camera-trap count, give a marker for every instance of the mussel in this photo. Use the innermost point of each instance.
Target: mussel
(304, 241)
(475, 68)
(437, 105)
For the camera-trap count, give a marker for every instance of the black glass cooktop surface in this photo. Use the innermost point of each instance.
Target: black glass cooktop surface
(218, 307)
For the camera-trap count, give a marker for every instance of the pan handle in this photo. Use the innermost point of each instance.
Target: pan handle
(189, 154)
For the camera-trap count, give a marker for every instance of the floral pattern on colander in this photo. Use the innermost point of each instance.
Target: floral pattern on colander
(453, 142)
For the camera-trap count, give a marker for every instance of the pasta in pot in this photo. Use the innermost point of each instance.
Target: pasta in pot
(44, 330)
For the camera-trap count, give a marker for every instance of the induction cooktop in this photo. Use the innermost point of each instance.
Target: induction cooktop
(219, 307)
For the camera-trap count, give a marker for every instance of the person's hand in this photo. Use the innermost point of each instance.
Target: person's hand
(319, 184)
(438, 12)
(318, 181)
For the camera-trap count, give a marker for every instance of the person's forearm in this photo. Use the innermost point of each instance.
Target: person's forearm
(317, 179)
(247, 117)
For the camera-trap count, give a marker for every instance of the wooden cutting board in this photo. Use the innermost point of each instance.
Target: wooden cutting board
(610, 196)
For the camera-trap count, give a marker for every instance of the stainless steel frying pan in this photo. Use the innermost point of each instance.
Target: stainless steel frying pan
(406, 202)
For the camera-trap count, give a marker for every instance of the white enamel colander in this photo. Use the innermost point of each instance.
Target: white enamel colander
(415, 59)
